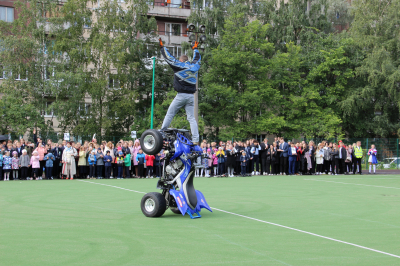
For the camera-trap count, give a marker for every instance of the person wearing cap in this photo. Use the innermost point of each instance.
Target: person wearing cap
(49, 158)
(92, 163)
(99, 163)
(107, 164)
(24, 164)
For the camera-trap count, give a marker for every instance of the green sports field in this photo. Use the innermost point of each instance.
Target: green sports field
(286, 220)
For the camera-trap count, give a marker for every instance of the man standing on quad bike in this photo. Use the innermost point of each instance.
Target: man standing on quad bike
(185, 84)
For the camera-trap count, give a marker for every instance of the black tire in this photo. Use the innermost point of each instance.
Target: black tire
(153, 204)
(151, 141)
(175, 210)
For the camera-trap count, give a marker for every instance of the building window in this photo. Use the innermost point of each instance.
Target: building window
(21, 75)
(113, 82)
(1, 72)
(173, 29)
(176, 51)
(7, 14)
(48, 110)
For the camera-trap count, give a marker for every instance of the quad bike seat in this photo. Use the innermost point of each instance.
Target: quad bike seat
(190, 192)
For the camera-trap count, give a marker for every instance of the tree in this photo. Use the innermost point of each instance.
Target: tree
(25, 58)
(373, 106)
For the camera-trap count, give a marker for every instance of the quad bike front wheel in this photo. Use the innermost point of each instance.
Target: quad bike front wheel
(153, 204)
(151, 141)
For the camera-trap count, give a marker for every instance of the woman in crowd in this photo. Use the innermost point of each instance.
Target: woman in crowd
(135, 151)
(349, 161)
(68, 160)
(372, 158)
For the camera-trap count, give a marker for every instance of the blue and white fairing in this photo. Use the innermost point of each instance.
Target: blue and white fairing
(183, 147)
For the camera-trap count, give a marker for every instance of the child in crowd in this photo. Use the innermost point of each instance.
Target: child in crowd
(319, 157)
(92, 164)
(99, 163)
(221, 161)
(1, 162)
(372, 158)
(127, 164)
(197, 165)
(49, 158)
(120, 164)
(205, 164)
(157, 165)
(243, 163)
(107, 164)
(7, 163)
(149, 164)
(24, 164)
(141, 160)
(35, 164)
(210, 162)
(15, 165)
(215, 162)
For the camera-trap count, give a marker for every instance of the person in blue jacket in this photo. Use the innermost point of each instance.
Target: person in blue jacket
(49, 158)
(141, 160)
(107, 164)
(283, 160)
(92, 164)
(185, 77)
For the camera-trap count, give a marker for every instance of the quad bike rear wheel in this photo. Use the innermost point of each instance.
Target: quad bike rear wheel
(153, 204)
(175, 210)
(151, 141)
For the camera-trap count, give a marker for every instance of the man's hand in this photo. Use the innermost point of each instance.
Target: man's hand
(161, 44)
(195, 45)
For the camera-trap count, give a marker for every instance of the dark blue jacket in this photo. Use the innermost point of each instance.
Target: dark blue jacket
(157, 160)
(185, 72)
(106, 158)
(285, 148)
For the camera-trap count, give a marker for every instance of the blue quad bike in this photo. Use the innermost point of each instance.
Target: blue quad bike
(176, 181)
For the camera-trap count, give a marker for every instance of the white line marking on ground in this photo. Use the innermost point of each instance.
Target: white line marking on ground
(279, 225)
(320, 180)
(112, 186)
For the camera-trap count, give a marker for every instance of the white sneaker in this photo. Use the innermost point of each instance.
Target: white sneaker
(111, 177)
(284, 173)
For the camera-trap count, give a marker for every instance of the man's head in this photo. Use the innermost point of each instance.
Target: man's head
(183, 58)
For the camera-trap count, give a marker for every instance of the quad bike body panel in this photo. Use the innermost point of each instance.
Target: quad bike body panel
(178, 173)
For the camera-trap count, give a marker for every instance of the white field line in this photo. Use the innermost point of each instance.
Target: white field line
(112, 186)
(275, 224)
(365, 185)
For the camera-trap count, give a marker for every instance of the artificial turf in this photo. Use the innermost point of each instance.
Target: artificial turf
(64, 222)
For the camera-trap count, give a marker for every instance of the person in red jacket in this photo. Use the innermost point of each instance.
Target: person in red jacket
(149, 164)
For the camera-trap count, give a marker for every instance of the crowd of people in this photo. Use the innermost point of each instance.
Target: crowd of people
(282, 158)
(25, 160)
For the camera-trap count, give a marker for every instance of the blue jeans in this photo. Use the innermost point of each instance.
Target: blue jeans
(221, 168)
(183, 100)
(243, 168)
(49, 171)
(120, 169)
(292, 165)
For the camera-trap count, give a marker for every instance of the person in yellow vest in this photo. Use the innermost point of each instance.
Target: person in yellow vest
(357, 156)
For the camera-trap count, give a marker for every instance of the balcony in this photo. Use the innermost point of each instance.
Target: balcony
(170, 9)
(170, 38)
